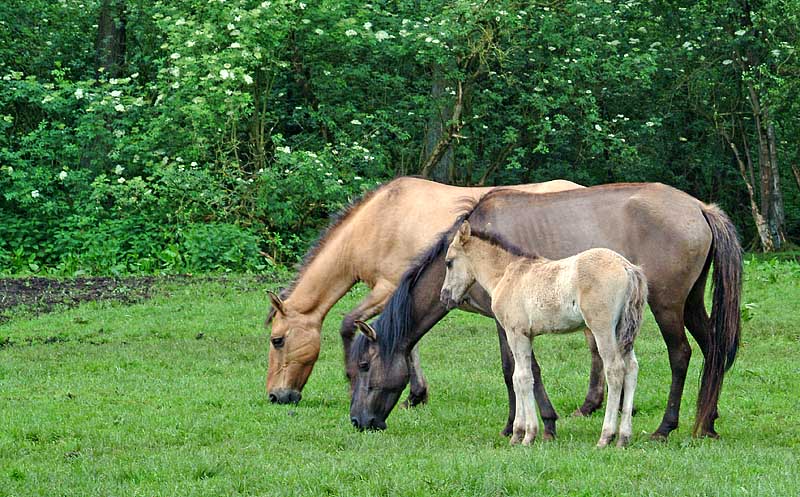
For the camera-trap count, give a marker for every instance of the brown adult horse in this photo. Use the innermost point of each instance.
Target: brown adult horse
(373, 241)
(672, 236)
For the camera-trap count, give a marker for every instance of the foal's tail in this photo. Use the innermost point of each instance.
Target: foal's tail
(723, 337)
(630, 319)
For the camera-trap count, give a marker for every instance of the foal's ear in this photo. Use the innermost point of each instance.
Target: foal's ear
(464, 231)
(367, 330)
(277, 305)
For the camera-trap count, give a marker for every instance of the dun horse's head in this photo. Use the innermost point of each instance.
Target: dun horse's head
(459, 277)
(379, 381)
(293, 349)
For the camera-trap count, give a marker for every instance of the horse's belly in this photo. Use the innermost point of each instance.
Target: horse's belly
(554, 316)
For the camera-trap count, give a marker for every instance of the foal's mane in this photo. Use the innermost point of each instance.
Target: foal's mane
(502, 242)
(337, 220)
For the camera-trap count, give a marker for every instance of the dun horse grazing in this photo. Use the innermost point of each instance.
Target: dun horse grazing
(389, 226)
(532, 296)
(672, 236)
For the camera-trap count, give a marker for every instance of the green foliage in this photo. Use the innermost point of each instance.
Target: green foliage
(270, 116)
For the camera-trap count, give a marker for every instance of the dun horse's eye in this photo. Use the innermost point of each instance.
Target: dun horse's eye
(363, 366)
(448, 264)
(277, 342)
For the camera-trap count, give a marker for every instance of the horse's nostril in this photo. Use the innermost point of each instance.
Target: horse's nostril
(273, 398)
(354, 420)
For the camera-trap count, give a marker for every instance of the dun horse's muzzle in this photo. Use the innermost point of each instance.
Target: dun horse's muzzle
(447, 299)
(285, 396)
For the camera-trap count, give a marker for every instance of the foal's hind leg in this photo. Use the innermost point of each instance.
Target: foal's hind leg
(628, 388)
(614, 368)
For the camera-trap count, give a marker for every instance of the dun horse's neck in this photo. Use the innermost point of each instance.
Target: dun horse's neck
(324, 280)
(489, 263)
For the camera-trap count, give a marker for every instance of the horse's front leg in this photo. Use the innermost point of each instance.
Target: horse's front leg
(370, 306)
(548, 413)
(526, 421)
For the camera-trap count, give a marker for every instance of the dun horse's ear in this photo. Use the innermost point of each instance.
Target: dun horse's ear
(277, 304)
(464, 231)
(367, 330)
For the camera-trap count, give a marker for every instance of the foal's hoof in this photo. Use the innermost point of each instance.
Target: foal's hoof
(623, 441)
(548, 437)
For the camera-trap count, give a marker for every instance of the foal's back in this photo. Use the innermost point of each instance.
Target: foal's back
(539, 296)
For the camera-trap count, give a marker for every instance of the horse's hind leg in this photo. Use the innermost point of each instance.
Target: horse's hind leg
(670, 322)
(597, 384)
(548, 413)
(628, 389)
(699, 325)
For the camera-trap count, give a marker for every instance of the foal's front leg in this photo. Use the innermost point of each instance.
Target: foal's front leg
(526, 421)
(546, 409)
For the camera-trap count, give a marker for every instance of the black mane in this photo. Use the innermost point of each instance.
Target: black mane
(396, 321)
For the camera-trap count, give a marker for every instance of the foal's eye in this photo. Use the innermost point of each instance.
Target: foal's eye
(448, 264)
(363, 366)
(277, 342)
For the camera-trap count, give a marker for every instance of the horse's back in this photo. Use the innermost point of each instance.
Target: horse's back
(655, 226)
(403, 217)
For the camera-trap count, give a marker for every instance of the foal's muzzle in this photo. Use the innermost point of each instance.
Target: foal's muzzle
(285, 396)
(447, 299)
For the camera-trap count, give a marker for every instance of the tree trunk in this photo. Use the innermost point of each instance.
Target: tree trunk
(110, 43)
(761, 224)
(777, 215)
(796, 172)
(438, 158)
(439, 163)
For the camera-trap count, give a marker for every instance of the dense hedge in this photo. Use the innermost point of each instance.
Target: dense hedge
(192, 135)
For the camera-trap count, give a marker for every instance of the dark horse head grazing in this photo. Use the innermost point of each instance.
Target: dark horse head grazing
(383, 359)
(672, 236)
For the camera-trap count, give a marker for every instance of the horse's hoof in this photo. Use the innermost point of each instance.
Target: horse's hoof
(548, 437)
(659, 437)
(708, 434)
(603, 443)
(623, 441)
(415, 400)
(583, 411)
(507, 431)
(514, 440)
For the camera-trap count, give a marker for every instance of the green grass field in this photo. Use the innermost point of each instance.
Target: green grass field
(166, 397)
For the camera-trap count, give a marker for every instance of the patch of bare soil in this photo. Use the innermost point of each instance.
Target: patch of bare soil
(41, 295)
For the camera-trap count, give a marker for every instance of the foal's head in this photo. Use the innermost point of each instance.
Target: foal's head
(459, 277)
(379, 381)
(293, 350)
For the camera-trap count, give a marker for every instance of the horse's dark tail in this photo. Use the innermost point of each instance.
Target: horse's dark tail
(723, 337)
(630, 320)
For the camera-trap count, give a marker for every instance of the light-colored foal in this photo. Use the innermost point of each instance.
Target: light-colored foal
(532, 295)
